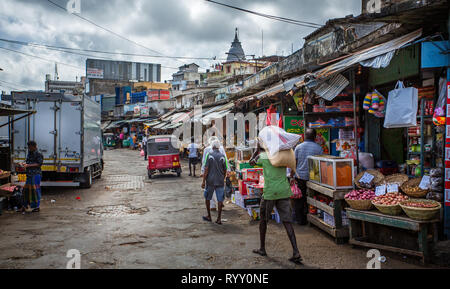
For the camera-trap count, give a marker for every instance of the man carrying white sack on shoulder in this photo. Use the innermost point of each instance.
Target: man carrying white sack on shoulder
(277, 190)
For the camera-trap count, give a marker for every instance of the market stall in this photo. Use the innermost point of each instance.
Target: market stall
(6, 188)
(391, 213)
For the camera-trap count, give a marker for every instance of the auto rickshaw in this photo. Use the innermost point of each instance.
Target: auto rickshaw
(109, 140)
(162, 155)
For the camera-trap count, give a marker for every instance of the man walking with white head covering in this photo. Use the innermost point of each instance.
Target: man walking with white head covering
(214, 180)
(206, 152)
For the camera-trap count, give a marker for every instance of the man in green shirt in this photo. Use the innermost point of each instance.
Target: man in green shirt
(276, 194)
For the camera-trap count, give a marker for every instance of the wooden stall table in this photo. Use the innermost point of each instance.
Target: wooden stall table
(384, 233)
(338, 231)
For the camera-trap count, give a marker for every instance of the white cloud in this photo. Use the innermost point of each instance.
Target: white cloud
(193, 28)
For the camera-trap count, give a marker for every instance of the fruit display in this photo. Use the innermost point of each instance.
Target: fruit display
(390, 199)
(361, 194)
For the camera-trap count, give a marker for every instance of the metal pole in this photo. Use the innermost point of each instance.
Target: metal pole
(354, 116)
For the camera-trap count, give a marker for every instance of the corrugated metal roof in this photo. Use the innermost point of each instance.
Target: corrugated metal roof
(363, 55)
(331, 87)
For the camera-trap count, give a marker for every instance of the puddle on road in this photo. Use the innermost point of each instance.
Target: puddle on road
(116, 211)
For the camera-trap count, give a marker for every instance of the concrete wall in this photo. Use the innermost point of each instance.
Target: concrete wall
(102, 86)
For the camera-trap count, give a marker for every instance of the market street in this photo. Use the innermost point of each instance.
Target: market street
(128, 221)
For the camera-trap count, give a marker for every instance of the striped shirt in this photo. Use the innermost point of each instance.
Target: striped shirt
(302, 152)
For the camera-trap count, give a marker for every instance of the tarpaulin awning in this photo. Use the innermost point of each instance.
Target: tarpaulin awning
(8, 111)
(217, 113)
(363, 55)
(167, 114)
(105, 125)
(153, 123)
(161, 125)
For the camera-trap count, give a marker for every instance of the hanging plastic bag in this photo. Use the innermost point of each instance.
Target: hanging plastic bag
(296, 192)
(402, 104)
(142, 153)
(270, 113)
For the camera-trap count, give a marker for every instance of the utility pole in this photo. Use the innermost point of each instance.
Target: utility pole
(262, 43)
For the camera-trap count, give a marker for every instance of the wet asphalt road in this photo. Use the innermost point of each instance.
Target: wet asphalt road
(128, 221)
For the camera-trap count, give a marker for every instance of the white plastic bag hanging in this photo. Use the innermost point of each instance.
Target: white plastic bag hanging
(402, 104)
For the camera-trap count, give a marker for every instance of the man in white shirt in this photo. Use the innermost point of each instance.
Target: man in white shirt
(144, 146)
(193, 156)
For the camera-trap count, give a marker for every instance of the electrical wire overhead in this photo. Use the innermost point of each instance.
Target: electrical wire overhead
(42, 58)
(112, 32)
(277, 18)
(5, 84)
(71, 50)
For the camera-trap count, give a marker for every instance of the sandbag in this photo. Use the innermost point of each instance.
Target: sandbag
(276, 139)
(284, 158)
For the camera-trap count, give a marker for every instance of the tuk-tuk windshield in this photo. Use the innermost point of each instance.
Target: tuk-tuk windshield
(161, 147)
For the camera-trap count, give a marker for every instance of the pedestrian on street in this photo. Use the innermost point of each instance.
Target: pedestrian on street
(214, 180)
(144, 146)
(135, 139)
(121, 138)
(207, 150)
(193, 156)
(277, 193)
(32, 188)
(302, 152)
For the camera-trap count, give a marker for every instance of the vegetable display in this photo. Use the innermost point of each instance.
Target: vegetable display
(8, 188)
(420, 204)
(390, 199)
(362, 194)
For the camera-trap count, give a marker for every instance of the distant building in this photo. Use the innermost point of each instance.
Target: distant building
(122, 70)
(187, 77)
(67, 87)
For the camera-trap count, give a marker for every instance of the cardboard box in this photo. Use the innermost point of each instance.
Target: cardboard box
(252, 174)
(243, 187)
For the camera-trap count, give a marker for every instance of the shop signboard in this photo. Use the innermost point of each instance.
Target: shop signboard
(323, 139)
(447, 152)
(144, 111)
(294, 124)
(94, 73)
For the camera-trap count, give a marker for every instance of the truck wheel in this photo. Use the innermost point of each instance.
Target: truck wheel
(178, 172)
(149, 174)
(88, 177)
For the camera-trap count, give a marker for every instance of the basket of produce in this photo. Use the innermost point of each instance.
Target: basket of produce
(4, 174)
(411, 188)
(399, 179)
(360, 199)
(7, 189)
(378, 178)
(389, 203)
(420, 209)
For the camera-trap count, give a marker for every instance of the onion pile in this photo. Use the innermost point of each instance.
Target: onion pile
(390, 199)
(9, 189)
(357, 195)
(420, 205)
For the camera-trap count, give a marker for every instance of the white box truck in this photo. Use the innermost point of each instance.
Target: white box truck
(67, 130)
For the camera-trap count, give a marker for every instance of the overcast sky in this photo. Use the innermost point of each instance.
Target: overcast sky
(193, 28)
